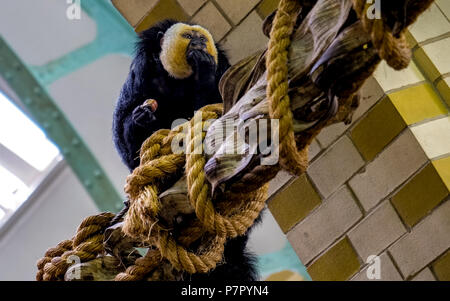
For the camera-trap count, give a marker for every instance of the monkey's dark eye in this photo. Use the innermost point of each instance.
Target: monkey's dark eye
(203, 39)
(187, 36)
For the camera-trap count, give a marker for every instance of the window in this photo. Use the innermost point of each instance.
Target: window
(26, 157)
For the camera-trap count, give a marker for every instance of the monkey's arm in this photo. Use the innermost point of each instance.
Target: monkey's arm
(206, 88)
(132, 122)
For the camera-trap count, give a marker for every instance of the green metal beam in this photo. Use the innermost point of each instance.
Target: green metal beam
(47, 114)
(114, 35)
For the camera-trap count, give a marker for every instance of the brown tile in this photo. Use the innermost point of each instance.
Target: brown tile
(294, 203)
(441, 267)
(339, 263)
(420, 195)
(376, 130)
(266, 7)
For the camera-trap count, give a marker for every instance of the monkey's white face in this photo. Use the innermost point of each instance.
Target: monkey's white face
(175, 43)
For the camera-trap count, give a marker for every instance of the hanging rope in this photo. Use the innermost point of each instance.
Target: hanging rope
(396, 51)
(241, 204)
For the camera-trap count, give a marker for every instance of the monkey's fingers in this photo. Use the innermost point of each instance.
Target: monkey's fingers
(152, 104)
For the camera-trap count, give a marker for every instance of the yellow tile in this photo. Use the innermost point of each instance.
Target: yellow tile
(338, 264)
(294, 203)
(164, 9)
(420, 195)
(434, 137)
(443, 168)
(443, 87)
(442, 267)
(418, 103)
(376, 130)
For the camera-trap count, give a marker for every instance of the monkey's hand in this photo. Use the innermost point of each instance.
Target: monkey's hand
(144, 115)
(203, 65)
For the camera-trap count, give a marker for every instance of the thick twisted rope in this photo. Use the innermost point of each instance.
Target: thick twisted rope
(277, 85)
(246, 198)
(395, 50)
(85, 246)
(144, 184)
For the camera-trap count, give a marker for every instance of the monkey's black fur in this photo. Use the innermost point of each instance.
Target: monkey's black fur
(177, 98)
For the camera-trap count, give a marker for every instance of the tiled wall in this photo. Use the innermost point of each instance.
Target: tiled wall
(379, 186)
(236, 24)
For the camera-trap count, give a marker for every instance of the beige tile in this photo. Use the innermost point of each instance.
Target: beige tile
(331, 133)
(246, 39)
(388, 272)
(134, 10)
(432, 23)
(210, 17)
(377, 231)
(426, 242)
(425, 275)
(371, 93)
(325, 225)
(438, 54)
(314, 150)
(279, 181)
(434, 137)
(335, 166)
(391, 168)
(389, 79)
(236, 10)
(444, 5)
(191, 6)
